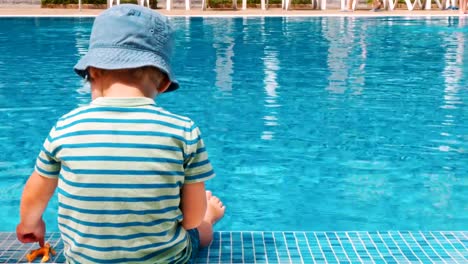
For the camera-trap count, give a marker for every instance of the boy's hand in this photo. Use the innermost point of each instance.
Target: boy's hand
(36, 195)
(31, 233)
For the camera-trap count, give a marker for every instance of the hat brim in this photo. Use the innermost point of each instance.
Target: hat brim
(117, 58)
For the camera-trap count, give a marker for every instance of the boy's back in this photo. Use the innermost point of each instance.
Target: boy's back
(123, 162)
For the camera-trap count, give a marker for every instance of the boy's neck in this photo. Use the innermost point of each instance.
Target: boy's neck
(120, 90)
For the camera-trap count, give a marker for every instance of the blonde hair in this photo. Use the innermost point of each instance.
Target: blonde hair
(132, 76)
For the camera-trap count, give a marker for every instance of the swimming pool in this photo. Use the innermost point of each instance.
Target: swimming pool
(311, 123)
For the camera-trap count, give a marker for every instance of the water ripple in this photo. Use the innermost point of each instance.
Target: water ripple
(311, 123)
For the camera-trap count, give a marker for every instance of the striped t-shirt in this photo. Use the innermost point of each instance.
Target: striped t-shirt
(121, 163)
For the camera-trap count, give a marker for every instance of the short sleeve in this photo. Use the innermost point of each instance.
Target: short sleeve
(196, 163)
(46, 164)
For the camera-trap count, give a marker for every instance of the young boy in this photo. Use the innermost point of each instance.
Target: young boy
(130, 175)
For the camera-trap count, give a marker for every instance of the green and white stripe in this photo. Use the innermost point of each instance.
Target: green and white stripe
(121, 163)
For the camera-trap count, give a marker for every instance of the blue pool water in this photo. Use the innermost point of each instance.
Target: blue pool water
(311, 123)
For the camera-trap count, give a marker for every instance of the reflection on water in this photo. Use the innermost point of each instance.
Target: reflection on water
(271, 70)
(224, 53)
(341, 35)
(82, 34)
(453, 77)
(311, 123)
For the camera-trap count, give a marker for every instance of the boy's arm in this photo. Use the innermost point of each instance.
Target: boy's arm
(193, 204)
(36, 195)
(197, 169)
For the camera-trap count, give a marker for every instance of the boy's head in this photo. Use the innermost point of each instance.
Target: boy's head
(128, 38)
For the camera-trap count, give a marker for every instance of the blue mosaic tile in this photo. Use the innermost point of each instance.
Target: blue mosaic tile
(301, 247)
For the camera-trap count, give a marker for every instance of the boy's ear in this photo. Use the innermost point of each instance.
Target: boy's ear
(164, 86)
(94, 73)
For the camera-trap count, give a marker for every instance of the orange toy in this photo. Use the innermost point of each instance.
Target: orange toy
(45, 251)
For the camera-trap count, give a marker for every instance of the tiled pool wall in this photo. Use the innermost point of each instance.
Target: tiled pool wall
(301, 247)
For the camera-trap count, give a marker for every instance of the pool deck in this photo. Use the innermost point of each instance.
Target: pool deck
(25, 10)
(302, 247)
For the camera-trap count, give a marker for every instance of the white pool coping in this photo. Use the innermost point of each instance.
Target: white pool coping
(36, 11)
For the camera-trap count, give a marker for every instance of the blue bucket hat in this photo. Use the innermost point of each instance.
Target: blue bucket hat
(129, 36)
